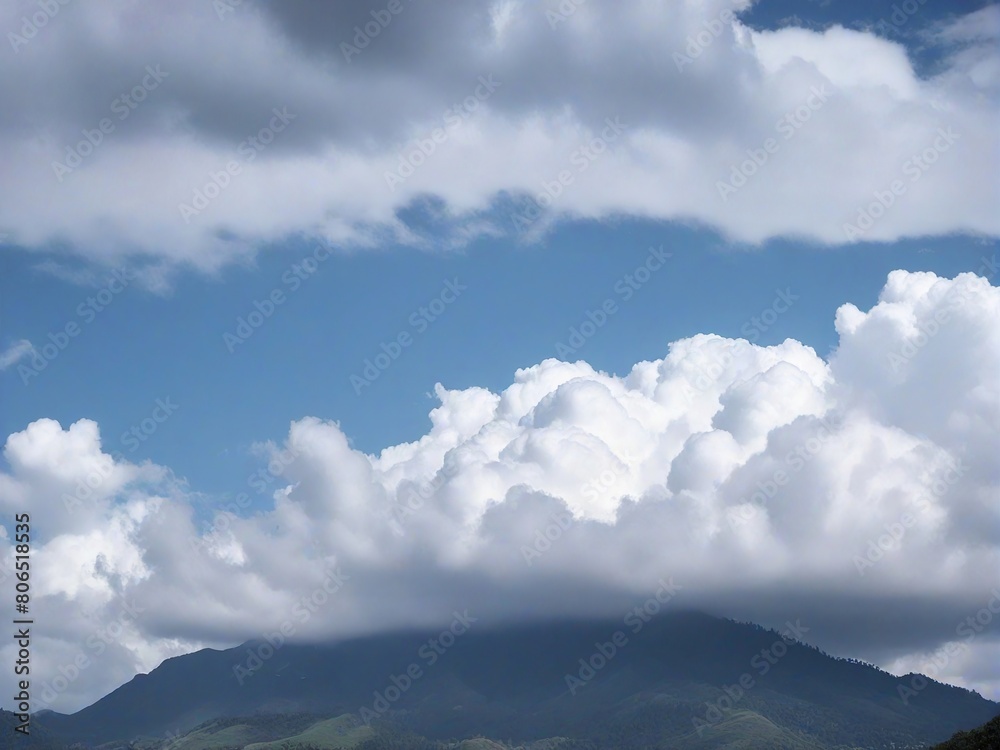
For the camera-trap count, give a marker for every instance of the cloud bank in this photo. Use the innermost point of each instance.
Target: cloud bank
(857, 493)
(193, 134)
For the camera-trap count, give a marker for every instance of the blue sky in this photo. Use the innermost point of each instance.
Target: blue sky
(827, 168)
(522, 300)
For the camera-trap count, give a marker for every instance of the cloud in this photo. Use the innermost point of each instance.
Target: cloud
(858, 493)
(266, 123)
(15, 353)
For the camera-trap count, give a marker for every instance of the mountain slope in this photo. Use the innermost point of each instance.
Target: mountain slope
(39, 738)
(986, 737)
(678, 678)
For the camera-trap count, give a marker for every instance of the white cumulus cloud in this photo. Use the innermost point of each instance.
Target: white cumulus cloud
(769, 483)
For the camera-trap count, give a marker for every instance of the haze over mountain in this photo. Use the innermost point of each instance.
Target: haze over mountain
(683, 678)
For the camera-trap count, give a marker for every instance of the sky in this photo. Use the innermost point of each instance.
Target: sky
(699, 290)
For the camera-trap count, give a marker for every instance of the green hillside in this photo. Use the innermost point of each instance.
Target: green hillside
(332, 734)
(229, 733)
(747, 730)
(511, 685)
(986, 737)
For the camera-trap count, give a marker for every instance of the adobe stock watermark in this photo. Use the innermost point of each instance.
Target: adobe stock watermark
(224, 7)
(419, 320)
(896, 531)
(264, 309)
(97, 642)
(625, 288)
(752, 329)
(901, 14)
(87, 485)
(635, 620)
(303, 610)
(914, 168)
(956, 298)
(710, 370)
(260, 481)
(559, 522)
(795, 460)
(88, 310)
(141, 432)
(248, 150)
(562, 12)
(123, 106)
(761, 663)
(787, 127)
(428, 653)
(410, 160)
(222, 521)
(169, 740)
(38, 20)
(545, 537)
(103, 468)
(967, 630)
(367, 32)
(761, 323)
(279, 461)
(581, 158)
(697, 43)
(402, 510)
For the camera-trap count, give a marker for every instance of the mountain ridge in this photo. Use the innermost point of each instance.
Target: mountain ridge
(683, 674)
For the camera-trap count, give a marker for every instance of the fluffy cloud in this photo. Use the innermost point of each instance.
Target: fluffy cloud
(767, 482)
(520, 99)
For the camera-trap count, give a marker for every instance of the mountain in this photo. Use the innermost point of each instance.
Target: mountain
(986, 737)
(689, 679)
(38, 739)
